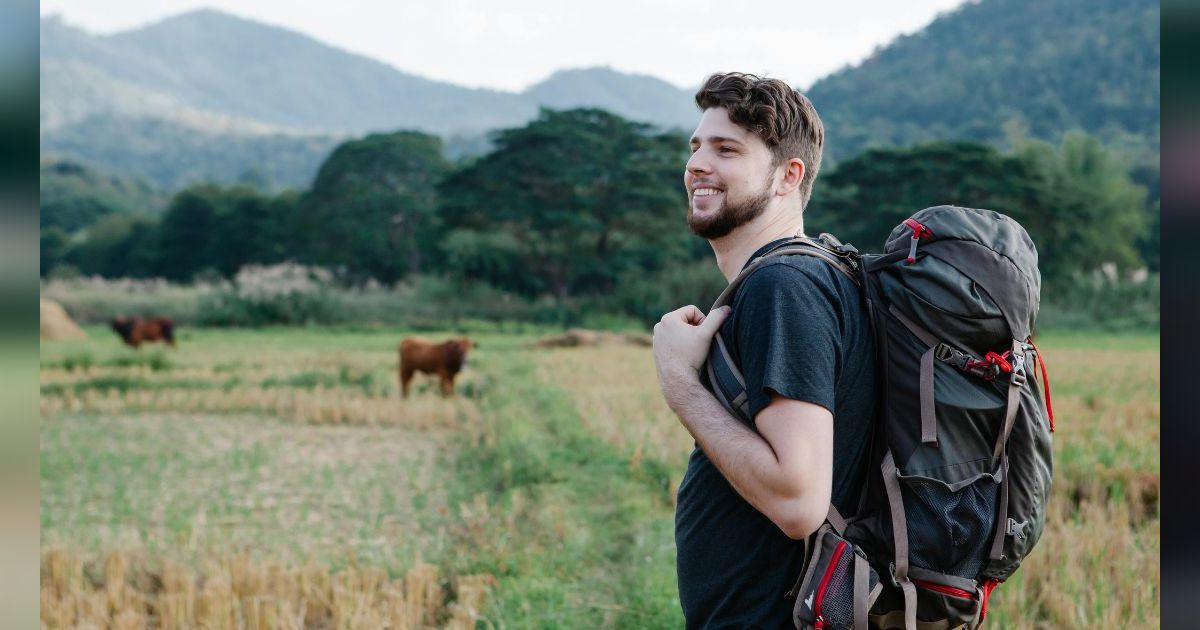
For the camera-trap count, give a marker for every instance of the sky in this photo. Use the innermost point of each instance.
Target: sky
(512, 44)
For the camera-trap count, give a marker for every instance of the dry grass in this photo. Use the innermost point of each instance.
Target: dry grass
(124, 589)
(1097, 562)
(159, 474)
(616, 395)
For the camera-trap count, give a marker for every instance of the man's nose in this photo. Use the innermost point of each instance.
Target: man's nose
(698, 164)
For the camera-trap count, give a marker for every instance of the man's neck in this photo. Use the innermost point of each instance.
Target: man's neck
(735, 249)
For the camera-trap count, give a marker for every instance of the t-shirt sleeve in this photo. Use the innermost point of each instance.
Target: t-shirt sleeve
(788, 334)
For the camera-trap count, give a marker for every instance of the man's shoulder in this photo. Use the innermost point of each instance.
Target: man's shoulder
(793, 275)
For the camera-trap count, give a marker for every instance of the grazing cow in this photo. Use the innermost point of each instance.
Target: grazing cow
(135, 331)
(443, 359)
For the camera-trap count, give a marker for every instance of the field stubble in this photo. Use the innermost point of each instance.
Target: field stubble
(276, 480)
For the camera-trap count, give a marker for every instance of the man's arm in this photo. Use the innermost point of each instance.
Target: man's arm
(786, 469)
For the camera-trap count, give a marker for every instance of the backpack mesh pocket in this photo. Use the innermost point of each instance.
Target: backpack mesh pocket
(825, 597)
(950, 527)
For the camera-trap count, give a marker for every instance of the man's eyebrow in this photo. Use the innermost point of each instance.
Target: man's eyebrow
(716, 140)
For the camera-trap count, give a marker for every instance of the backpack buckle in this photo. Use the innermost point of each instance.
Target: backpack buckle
(1018, 373)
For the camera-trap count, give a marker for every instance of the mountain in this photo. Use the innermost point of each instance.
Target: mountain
(1044, 66)
(632, 96)
(206, 95)
(171, 154)
(214, 62)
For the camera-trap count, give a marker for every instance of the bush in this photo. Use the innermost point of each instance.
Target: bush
(1102, 301)
(286, 293)
(92, 300)
(645, 297)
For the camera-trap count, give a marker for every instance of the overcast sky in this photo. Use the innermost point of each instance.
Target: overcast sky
(511, 44)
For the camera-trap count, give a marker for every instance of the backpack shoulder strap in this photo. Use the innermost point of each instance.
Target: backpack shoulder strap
(843, 258)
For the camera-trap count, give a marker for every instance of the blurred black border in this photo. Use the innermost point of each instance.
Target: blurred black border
(19, 415)
(1180, 436)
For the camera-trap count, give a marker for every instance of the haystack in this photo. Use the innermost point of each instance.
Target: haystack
(580, 337)
(56, 324)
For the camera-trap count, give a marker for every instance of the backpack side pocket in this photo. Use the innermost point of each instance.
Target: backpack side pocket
(837, 586)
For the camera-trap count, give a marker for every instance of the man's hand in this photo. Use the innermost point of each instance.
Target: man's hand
(681, 342)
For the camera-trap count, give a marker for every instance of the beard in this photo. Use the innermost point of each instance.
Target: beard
(729, 216)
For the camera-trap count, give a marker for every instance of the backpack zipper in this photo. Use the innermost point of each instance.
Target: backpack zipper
(837, 556)
(919, 232)
(945, 590)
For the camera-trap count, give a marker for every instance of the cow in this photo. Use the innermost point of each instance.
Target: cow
(135, 331)
(443, 359)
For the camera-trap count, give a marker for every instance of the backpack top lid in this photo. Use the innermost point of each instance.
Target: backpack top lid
(990, 248)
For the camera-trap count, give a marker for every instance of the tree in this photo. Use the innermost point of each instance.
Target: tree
(249, 229)
(568, 203)
(372, 207)
(55, 244)
(189, 237)
(866, 197)
(118, 245)
(1092, 213)
(1077, 203)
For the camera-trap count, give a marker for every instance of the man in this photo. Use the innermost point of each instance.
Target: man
(799, 333)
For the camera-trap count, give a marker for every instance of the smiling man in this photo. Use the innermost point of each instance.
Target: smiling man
(799, 334)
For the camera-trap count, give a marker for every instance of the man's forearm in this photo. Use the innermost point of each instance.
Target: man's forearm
(745, 459)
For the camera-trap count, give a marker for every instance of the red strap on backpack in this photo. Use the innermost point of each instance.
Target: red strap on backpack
(989, 585)
(1041, 359)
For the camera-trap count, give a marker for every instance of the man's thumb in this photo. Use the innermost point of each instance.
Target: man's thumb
(715, 318)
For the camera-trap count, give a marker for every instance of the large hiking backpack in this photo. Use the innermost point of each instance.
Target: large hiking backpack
(961, 452)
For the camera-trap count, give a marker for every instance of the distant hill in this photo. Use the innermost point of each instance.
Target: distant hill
(172, 155)
(206, 95)
(215, 62)
(188, 84)
(1049, 65)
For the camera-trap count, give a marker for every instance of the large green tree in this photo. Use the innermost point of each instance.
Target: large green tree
(1076, 200)
(118, 245)
(864, 198)
(568, 204)
(372, 207)
(189, 235)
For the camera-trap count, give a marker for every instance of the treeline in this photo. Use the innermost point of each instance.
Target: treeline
(587, 209)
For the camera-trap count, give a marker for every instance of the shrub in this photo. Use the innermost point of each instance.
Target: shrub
(1102, 301)
(285, 293)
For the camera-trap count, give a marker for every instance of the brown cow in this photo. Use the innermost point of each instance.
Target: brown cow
(135, 331)
(443, 359)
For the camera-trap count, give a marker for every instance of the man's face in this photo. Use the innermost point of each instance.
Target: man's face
(729, 178)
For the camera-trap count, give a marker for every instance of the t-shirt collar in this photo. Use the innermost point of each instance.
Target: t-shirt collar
(762, 250)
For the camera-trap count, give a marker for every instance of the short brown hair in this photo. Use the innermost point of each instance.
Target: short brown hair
(769, 108)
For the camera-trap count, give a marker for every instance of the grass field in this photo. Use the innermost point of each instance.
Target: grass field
(275, 478)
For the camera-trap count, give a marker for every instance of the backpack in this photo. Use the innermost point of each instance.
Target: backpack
(961, 451)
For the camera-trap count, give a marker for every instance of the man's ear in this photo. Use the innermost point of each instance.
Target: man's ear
(793, 174)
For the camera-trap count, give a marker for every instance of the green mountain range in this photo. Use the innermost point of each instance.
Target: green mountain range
(1041, 66)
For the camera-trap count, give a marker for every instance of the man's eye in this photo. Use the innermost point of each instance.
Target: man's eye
(725, 150)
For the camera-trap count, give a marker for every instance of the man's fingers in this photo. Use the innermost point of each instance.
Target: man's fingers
(715, 319)
(691, 315)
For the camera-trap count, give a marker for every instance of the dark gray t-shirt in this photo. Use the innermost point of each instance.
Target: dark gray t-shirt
(798, 328)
